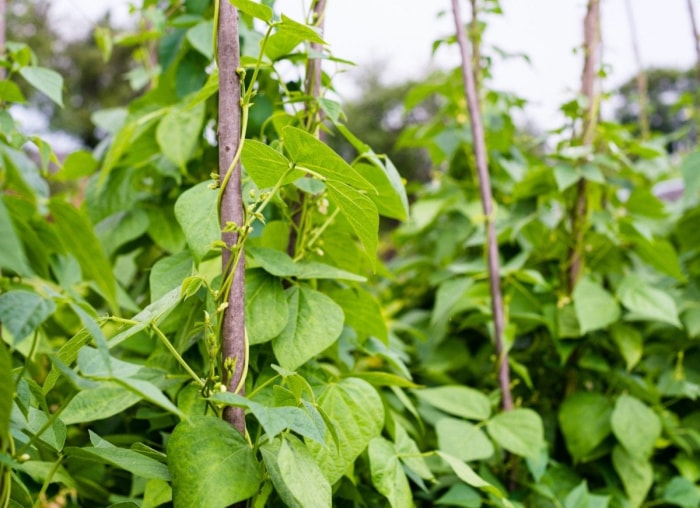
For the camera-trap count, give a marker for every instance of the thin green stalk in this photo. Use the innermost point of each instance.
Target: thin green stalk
(177, 355)
(47, 481)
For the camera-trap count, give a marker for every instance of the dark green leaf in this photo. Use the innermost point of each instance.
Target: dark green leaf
(315, 322)
(108, 399)
(12, 256)
(266, 308)
(295, 474)
(211, 464)
(196, 212)
(635, 425)
(201, 36)
(519, 431)
(357, 412)
(585, 422)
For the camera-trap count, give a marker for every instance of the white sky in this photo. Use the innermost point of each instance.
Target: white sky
(399, 34)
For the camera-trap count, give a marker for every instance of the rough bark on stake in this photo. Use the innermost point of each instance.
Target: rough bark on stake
(229, 129)
(591, 44)
(487, 204)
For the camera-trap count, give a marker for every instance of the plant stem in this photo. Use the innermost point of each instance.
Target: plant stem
(231, 210)
(177, 355)
(487, 204)
(591, 31)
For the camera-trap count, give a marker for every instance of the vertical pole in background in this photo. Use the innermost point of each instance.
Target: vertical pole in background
(696, 43)
(229, 131)
(591, 50)
(487, 203)
(642, 87)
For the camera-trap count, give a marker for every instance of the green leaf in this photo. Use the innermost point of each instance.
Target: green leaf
(463, 440)
(635, 425)
(254, 9)
(388, 476)
(629, 342)
(362, 312)
(391, 199)
(48, 82)
(315, 322)
(306, 151)
(585, 422)
(301, 32)
(410, 454)
(636, 473)
(646, 302)
(53, 435)
(266, 308)
(178, 133)
(168, 274)
(275, 420)
(468, 476)
(457, 400)
(520, 431)
(12, 256)
(108, 399)
(211, 464)
(281, 264)
(595, 307)
(196, 212)
(10, 92)
(152, 394)
(156, 493)
(661, 255)
(21, 312)
(295, 474)
(106, 453)
(265, 165)
(77, 236)
(7, 391)
(357, 412)
(77, 165)
(360, 212)
(201, 36)
(682, 492)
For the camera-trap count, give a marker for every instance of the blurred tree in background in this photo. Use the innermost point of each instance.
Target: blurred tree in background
(91, 83)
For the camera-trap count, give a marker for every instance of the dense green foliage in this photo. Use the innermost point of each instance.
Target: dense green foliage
(369, 381)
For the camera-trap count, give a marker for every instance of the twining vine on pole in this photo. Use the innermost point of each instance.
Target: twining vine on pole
(487, 204)
(591, 44)
(233, 340)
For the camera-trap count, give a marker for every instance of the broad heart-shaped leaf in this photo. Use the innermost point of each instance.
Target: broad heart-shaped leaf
(178, 133)
(457, 400)
(388, 475)
(463, 440)
(661, 255)
(265, 165)
(281, 264)
(21, 312)
(108, 399)
(520, 431)
(211, 464)
(136, 463)
(391, 199)
(595, 307)
(584, 418)
(362, 312)
(306, 151)
(360, 212)
(646, 302)
(357, 412)
(295, 474)
(636, 473)
(274, 420)
(266, 308)
(48, 82)
(7, 391)
(201, 36)
(12, 256)
(254, 9)
(196, 212)
(315, 322)
(77, 236)
(636, 426)
(629, 342)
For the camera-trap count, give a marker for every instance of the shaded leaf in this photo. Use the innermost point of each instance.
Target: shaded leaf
(22, 312)
(388, 476)
(457, 400)
(519, 431)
